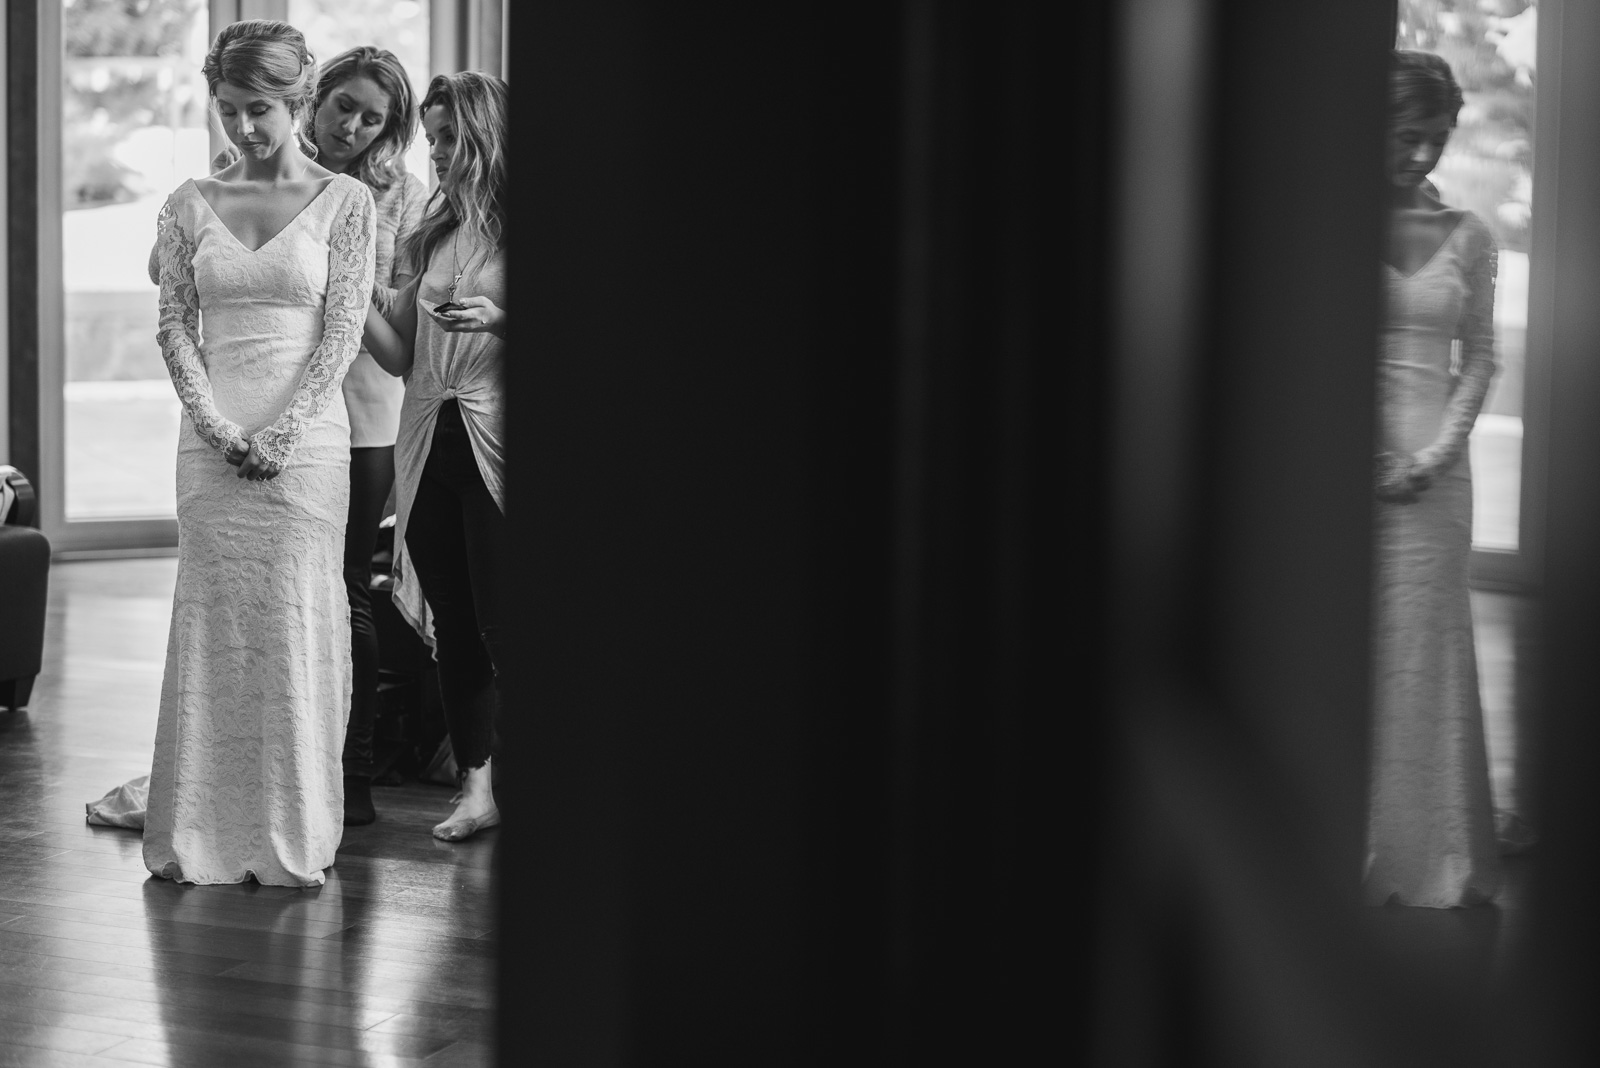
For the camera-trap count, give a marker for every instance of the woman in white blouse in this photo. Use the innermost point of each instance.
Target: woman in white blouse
(365, 119)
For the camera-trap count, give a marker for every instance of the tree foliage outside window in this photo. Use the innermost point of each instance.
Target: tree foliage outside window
(123, 71)
(127, 27)
(1488, 166)
(401, 26)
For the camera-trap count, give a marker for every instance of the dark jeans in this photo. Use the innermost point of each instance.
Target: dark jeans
(371, 476)
(457, 538)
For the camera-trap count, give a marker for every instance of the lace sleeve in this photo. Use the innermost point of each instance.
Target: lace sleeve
(179, 333)
(411, 199)
(223, 158)
(350, 264)
(1476, 333)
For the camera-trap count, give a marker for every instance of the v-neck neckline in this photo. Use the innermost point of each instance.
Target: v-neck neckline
(1429, 261)
(204, 200)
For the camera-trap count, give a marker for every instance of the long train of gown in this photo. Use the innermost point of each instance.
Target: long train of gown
(246, 777)
(1431, 831)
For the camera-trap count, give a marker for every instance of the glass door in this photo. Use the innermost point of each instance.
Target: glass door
(131, 122)
(1488, 169)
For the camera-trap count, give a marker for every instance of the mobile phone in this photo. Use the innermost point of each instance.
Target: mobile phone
(448, 306)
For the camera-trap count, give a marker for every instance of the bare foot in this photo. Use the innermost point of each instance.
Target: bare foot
(475, 808)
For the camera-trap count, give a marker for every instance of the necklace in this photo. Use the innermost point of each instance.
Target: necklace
(455, 255)
(455, 258)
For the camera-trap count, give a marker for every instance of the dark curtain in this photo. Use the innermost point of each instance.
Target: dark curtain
(809, 471)
(941, 460)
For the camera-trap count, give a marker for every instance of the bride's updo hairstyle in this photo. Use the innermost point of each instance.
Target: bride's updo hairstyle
(1421, 86)
(269, 58)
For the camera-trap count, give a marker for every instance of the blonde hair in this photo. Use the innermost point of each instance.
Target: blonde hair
(378, 165)
(267, 57)
(474, 199)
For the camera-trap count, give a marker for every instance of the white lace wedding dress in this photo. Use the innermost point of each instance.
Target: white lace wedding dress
(246, 779)
(1431, 830)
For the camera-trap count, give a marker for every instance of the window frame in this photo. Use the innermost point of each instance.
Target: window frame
(1521, 570)
(75, 536)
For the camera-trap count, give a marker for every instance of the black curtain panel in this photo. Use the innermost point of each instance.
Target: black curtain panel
(1560, 979)
(941, 452)
(809, 470)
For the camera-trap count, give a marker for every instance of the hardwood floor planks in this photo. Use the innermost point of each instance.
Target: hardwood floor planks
(457, 985)
(209, 1012)
(391, 962)
(99, 952)
(21, 1056)
(115, 1030)
(209, 1051)
(63, 1040)
(343, 908)
(461, 1055)
(468, 1026)
(17, 966)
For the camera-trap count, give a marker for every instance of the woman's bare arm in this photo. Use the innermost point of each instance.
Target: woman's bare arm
(392, 341)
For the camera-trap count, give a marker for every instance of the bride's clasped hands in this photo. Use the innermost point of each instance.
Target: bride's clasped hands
(1398, 479)
(250, 464)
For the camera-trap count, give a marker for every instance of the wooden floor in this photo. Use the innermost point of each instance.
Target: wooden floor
(390, 963)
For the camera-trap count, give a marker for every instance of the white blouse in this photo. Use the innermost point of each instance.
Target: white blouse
(372, 394)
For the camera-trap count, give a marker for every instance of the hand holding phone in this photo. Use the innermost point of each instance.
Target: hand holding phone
(471, 315)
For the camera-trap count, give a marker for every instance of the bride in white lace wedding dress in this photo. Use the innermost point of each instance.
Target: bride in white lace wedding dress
(247, 776)
(1431, 828)
(257, 333)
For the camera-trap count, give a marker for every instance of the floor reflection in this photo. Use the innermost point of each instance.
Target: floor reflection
(390, 963)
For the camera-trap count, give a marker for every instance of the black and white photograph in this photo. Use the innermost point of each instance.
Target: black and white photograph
(609, 533)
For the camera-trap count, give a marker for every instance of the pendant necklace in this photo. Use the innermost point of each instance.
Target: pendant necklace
(461, 268)
(455, 256)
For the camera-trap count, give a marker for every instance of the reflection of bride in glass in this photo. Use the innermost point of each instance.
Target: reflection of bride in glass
(1431, 829)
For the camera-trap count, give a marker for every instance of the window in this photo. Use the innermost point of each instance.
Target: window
(1488, 169)
(133, 127)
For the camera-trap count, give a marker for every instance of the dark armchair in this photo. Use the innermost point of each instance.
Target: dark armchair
(24, 581)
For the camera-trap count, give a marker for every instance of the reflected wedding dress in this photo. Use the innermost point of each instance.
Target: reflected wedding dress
(1431, 830)
(246, 779)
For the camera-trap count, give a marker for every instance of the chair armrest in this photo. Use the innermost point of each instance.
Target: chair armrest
(23, 510)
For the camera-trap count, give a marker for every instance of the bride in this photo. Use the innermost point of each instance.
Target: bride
(273, 257)
(1431, 825)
